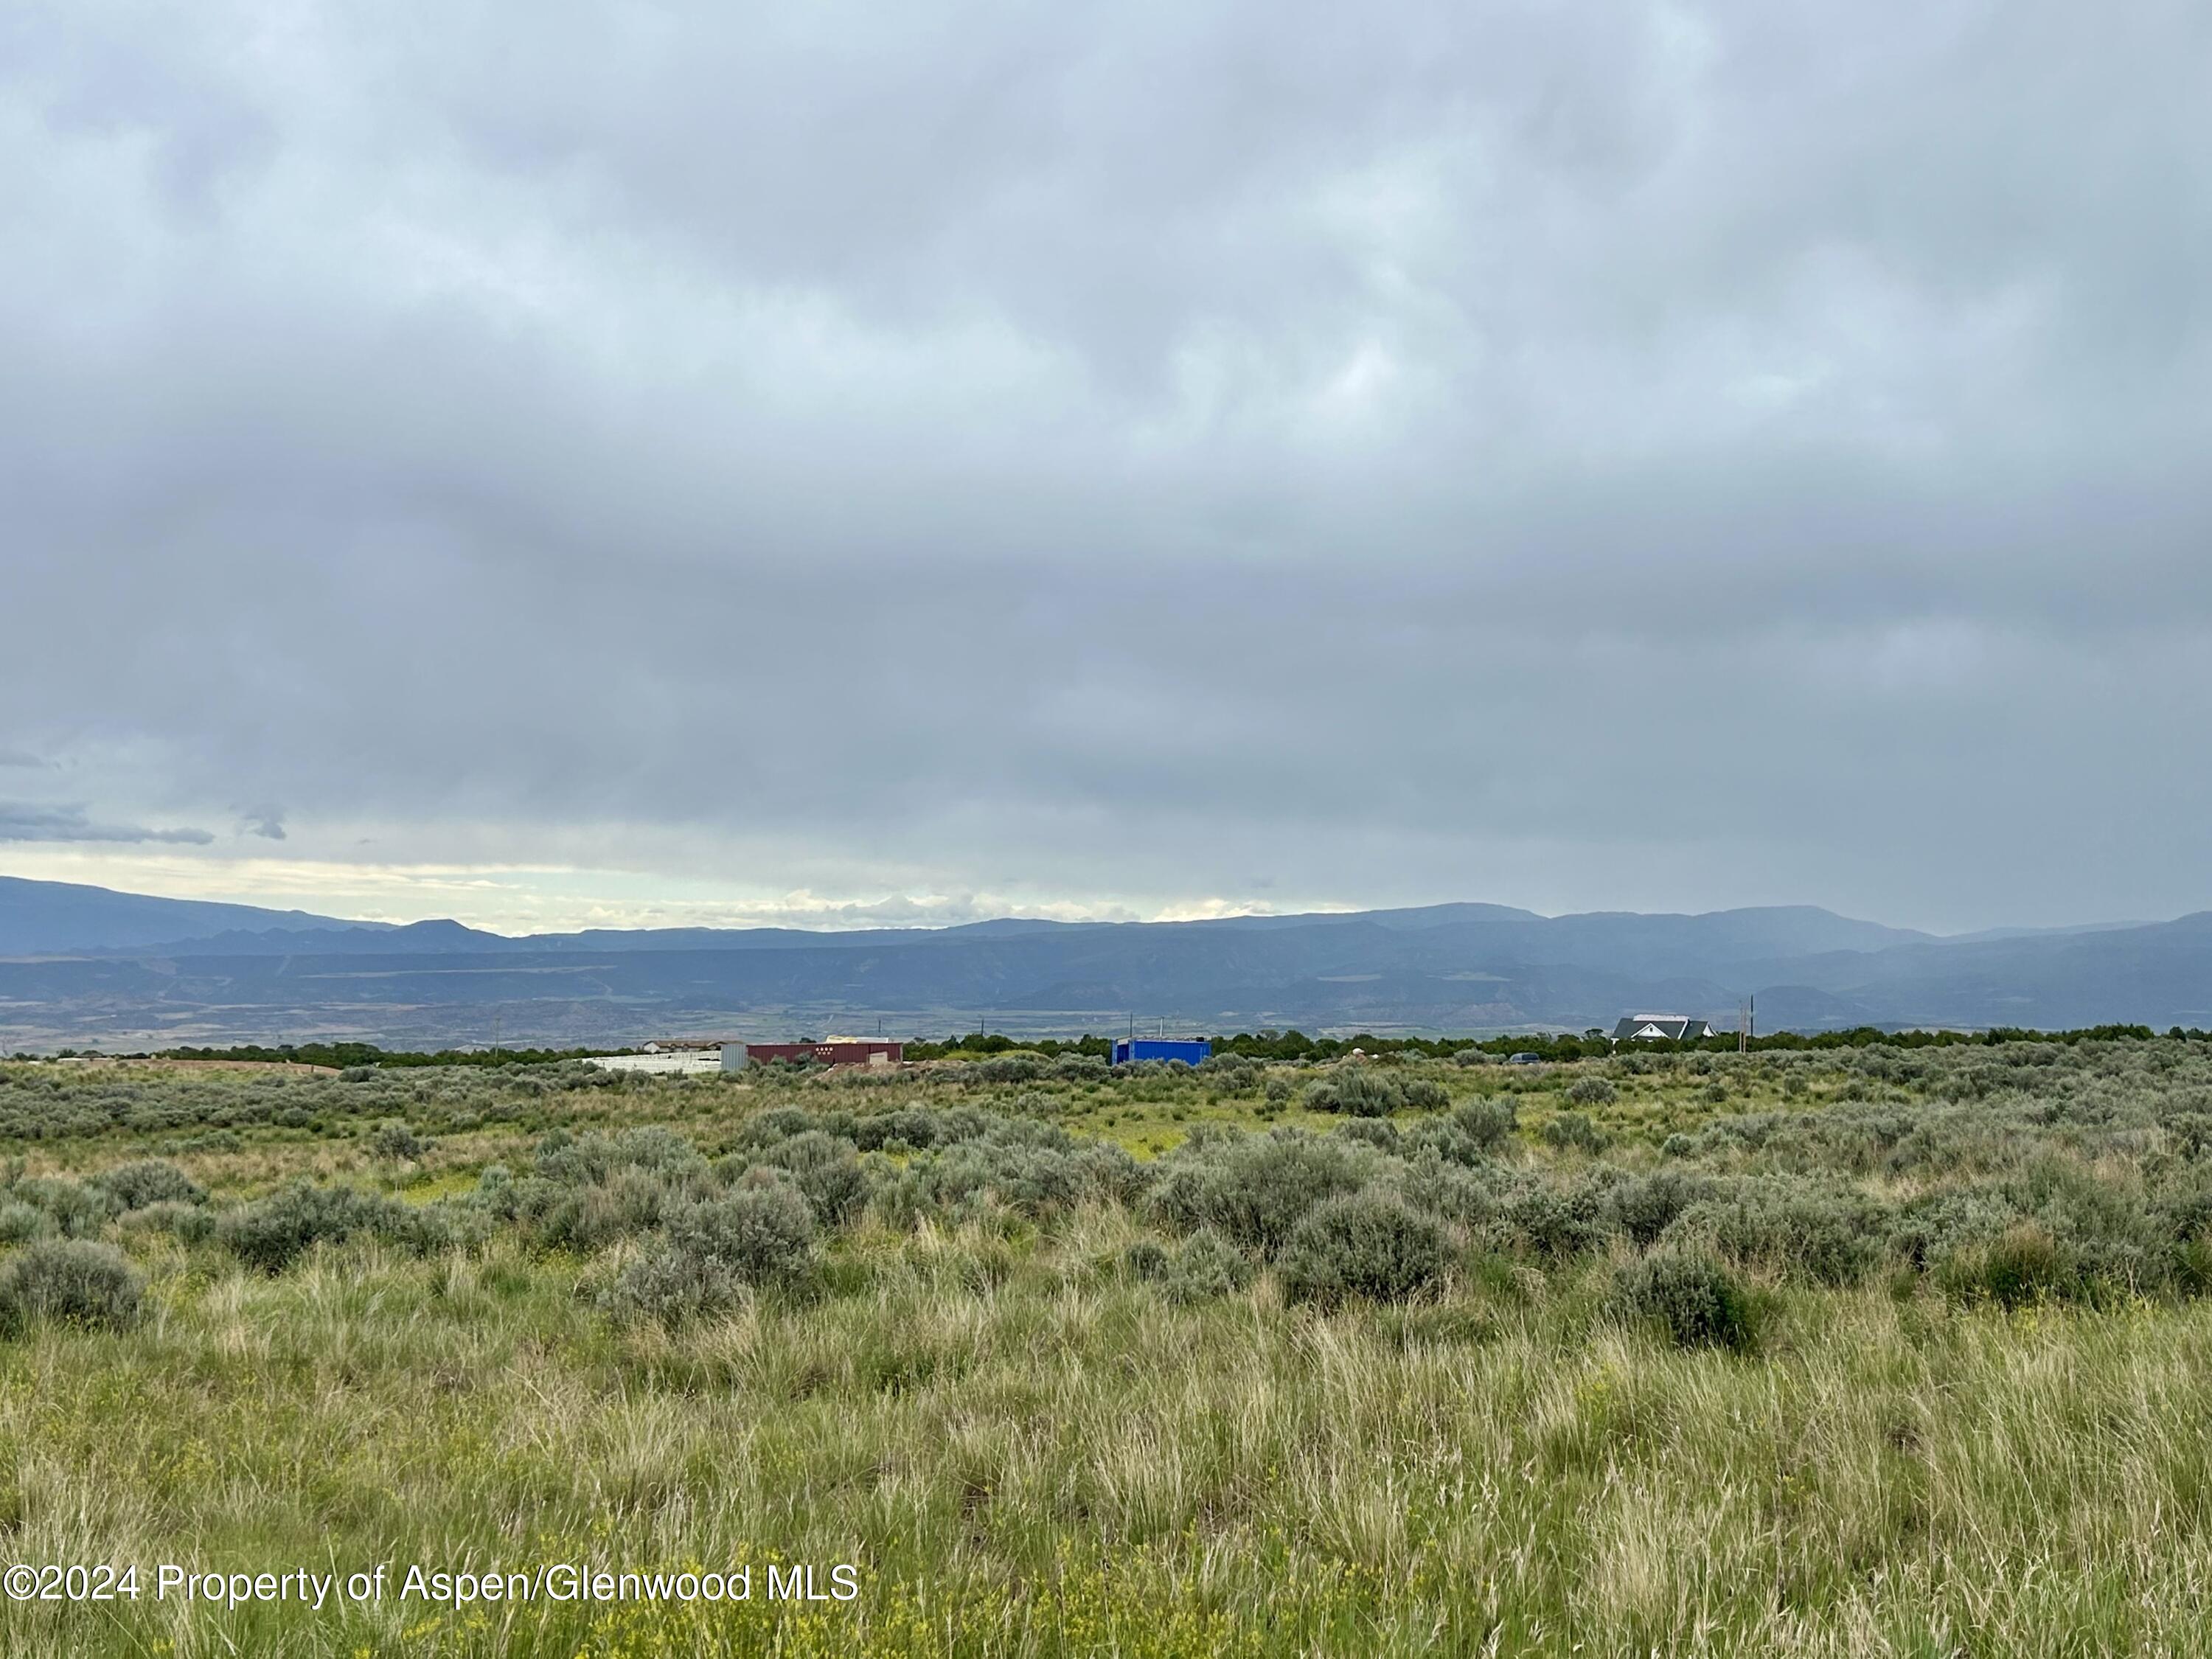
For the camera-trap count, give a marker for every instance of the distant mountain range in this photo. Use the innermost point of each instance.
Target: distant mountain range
(62, 916)
(83, 965)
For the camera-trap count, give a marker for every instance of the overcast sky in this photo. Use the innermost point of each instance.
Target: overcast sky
(564, 463)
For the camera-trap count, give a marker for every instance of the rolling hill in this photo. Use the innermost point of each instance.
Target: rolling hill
(77, 965)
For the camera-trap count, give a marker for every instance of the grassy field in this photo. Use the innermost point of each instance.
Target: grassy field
(1860, 1352)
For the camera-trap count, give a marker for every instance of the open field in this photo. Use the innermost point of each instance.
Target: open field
(1848, 1352)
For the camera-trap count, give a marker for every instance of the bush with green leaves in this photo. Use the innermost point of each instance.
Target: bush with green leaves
(20, 1222)
(2113, 1242)
(71, 1281)
(1689, 1296)
(1592, 1091)
(1147, 1259)
(1927, 1230)
(1368, 1244)
(1231, 1074)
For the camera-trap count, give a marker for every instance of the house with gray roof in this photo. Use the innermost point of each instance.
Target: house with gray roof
(1657, 1028)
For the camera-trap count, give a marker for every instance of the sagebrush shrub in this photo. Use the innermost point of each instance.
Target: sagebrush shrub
(1035, 1170)
(189, 1223)
(1006, 1068)
(1378, 1132)
(714, 1254)
(149, 1181)
(764, 1234)
(1572, 1129)
(673, 1286)
(19, 1223)
(71, 1281)
(1644, 1208)
(1456, 1192)
(1148, 1260)
(576, 1160)
(1356, 1090)
(273, 1232)
(1555, 1225)
(1592, 1091)
(2109, 1236)
(1826, 1236)
(397, 1141)
(2022, 1267)
(75, 1210)
(631, 1200)
(1489, 1123)
(1231, 1074)
(1473, 1134)
(1206, 1267)
(1691, 1296)
(1255, 1189)
(1366, 1244)
(828, 1173)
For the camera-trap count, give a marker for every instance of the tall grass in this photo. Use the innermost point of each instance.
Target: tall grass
(1027, 1447)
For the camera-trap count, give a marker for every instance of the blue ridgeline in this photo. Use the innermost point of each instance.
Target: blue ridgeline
(1189, 1052)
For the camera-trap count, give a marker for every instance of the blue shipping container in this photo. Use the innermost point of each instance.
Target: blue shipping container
(1127, 1049)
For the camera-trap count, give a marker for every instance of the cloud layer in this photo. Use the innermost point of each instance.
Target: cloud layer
(20, 822)
(1124, 458)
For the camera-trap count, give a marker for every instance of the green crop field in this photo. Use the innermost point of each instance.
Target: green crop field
(1859, 1351)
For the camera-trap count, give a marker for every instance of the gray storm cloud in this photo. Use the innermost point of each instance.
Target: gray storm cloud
(21, 822)
(1663, 455)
